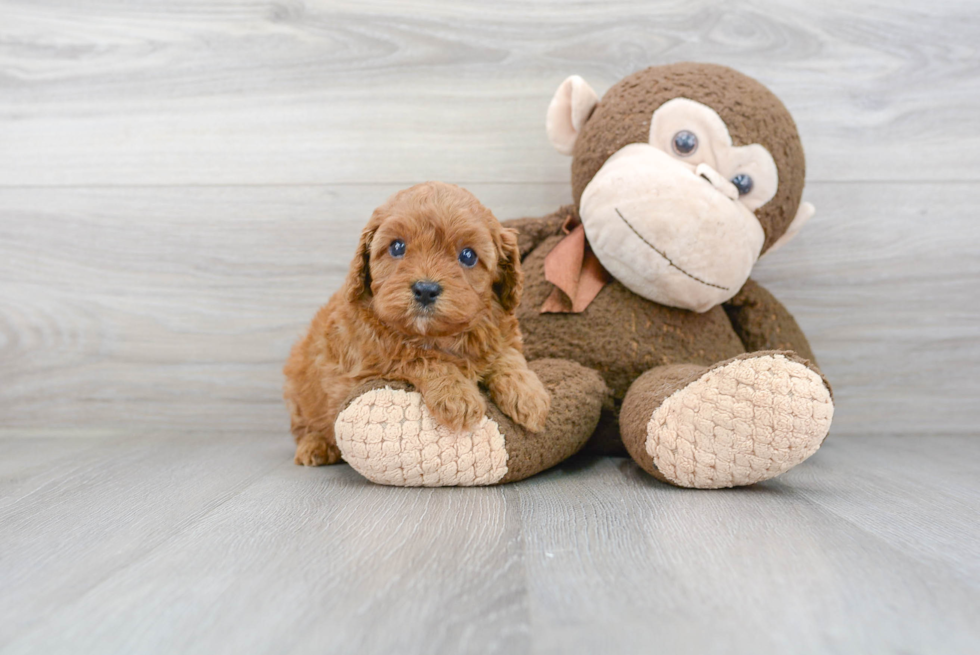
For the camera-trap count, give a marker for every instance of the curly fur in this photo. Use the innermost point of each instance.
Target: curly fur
(373, 328)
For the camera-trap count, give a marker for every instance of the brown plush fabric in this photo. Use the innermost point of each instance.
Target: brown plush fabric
(577, 396)
(576, 399)
(624, 351)
(762, 323)
(619, 334)
(622, 336)
(645, 396)
(751, 112)
(531, 231)
(741, 422)
(653, 387)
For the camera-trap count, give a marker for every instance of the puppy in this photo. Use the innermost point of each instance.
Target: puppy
(429, 299)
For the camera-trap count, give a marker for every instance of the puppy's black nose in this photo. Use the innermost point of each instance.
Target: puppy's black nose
(426, 292)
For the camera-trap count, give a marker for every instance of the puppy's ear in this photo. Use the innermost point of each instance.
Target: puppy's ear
(509, 283)
(358, 285)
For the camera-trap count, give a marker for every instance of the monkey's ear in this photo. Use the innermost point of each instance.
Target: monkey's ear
(569, 110)
(803, 214)
(358, 284)
(509, 283)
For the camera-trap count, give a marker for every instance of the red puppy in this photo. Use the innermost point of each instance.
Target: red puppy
(430, 299)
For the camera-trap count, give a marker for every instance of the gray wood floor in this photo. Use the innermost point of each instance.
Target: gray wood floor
(181, 185)
(164, 544)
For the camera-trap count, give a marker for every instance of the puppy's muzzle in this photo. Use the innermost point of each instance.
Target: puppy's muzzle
(426, 292)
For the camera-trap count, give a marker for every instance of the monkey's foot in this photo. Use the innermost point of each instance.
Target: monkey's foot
(389, 437)
(387, 434)
(742, 422)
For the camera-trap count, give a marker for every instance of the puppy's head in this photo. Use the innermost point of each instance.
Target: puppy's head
(433, 261)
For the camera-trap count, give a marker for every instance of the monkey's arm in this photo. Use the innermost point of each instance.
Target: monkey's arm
(532, 231)
(762, 323)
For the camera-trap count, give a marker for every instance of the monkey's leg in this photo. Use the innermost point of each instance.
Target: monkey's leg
(738, 422)
(386, 433)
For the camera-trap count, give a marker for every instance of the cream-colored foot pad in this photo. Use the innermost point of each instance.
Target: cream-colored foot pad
(741, 423)
(389, 437)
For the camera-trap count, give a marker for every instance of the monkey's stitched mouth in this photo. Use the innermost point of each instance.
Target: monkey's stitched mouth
(664, 255)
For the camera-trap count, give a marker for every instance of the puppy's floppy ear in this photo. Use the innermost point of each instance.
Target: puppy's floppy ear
(509, 283)
(358, 285)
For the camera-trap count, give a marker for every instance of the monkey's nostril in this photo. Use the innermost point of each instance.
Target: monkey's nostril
(426, 292)
(715, 179)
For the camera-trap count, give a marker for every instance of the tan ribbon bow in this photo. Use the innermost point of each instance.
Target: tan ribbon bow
(574, 270)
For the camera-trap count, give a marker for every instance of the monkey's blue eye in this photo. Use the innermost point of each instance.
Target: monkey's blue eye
(467, 257)
(685, 143)
(743, 183)
(397, 249)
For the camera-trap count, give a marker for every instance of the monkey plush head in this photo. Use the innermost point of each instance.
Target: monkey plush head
(684, 175)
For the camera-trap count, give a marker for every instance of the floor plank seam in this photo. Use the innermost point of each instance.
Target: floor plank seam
(180, 529)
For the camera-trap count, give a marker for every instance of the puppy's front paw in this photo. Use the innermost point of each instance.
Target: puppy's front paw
(316, 451)
(524, 399)
(458, 407)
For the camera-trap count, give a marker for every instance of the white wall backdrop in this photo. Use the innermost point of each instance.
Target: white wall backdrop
(182, 183)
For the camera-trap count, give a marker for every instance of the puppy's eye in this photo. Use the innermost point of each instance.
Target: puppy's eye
(743, 183)
(467, 257)
(685, 143)
(397, 249)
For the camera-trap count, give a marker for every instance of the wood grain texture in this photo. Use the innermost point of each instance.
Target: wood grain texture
(182, 183)
(259, 92)
(157, 544)
(175, 307)
(884, 281)
(700, 571)
(71, 518)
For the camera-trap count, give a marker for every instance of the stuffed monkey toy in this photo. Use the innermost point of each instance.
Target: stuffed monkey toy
(638, 313)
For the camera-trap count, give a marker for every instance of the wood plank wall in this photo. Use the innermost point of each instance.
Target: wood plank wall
(182, 182)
